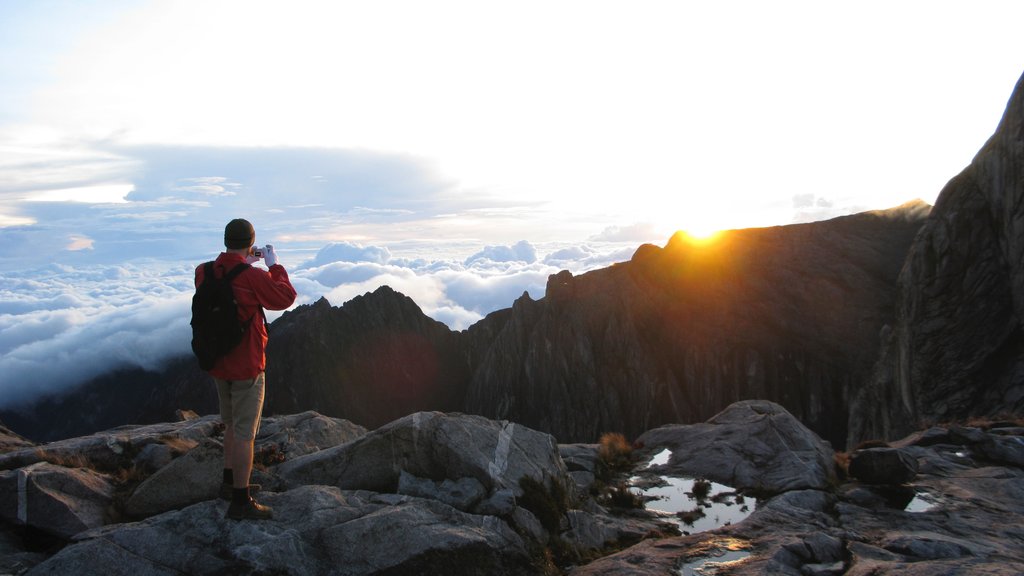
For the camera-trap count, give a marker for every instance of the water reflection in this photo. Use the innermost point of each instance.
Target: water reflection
(921, 502)
(698, 505)
(705, 566)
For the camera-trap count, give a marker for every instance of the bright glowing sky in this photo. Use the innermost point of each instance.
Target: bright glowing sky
(458, 150)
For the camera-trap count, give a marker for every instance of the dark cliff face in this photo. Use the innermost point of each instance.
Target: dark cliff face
(373, 360)
(958, 347)
(791, 314)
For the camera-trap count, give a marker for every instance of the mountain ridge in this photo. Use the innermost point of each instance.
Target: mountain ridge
(595, 354)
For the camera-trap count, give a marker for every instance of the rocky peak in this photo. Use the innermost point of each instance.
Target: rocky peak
(374, 359)
(957, 348)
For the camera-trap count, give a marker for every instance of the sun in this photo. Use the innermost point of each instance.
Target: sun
(695, 231)
(702, 234)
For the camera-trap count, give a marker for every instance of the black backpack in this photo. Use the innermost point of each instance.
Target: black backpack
(216, 329)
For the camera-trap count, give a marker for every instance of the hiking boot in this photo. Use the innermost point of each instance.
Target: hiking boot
(249, 510)
(225, 490)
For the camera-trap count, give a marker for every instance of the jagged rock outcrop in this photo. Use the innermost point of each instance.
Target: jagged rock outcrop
(957, 348)
(371, 361)
(791, 314)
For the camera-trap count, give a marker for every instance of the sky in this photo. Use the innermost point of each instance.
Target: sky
(459, 152)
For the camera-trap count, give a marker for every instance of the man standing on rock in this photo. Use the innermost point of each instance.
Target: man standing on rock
(239, 374)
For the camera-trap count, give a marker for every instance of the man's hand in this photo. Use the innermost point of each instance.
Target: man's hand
(269, 256)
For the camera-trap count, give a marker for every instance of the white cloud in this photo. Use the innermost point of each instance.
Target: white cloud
(207, 186)
(521, 251)
(77, 242)
(638, 232)
(348, 252)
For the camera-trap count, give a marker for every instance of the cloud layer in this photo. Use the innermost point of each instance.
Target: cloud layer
(61, 325)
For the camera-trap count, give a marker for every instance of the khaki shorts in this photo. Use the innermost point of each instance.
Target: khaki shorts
(241, 405)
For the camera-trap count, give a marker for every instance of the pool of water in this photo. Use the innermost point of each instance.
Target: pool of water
(921, 502)
(697, 505)
(660, 459)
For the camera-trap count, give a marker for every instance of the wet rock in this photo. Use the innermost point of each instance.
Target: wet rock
(753, 444)
(57, 500)
(883, 466)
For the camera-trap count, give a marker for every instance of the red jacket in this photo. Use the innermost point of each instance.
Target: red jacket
(253, 288)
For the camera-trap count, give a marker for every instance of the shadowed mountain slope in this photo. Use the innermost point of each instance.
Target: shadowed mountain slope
(958, 347)
(790, 313)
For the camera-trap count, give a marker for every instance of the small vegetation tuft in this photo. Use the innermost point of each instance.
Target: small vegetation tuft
(549, 506)
(615, 452)
(690, 516)
(619, 495)
(178, 445)
(842, 464)
(871, 444)
(701, 488)
(65, 459)
(267, 455)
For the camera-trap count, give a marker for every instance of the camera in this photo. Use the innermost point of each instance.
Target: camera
(258, 252)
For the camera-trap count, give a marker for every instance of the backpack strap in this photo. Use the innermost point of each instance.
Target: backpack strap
(236, 271)
(208, 272)
(231, 276)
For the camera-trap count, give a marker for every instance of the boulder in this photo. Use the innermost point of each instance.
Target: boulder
(188, 479)
(883, 466)
(436, 446)
(1003, 449)
(462, 494)
(300, 434)
(57, 500)
(752, 444)
(315, 530)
